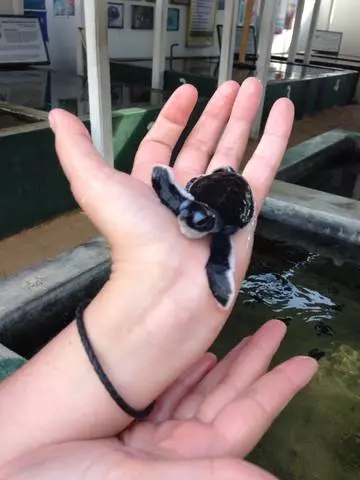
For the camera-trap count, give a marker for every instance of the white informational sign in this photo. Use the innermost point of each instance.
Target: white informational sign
(21, 41)
(201, 23)
(327, 41)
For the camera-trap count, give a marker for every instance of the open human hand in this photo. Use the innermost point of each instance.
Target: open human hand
(202, 427)
(169, 299)
(155, 316)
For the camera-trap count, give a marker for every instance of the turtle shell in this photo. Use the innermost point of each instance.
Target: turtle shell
(228, 193)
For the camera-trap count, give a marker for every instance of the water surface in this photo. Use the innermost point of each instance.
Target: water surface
(318, 436)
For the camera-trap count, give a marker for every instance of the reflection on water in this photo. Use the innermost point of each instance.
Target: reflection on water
(280, 293)
(317, 437)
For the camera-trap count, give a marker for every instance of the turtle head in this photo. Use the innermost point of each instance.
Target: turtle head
(197, 219)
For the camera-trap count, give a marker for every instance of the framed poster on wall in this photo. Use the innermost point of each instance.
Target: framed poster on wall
(173, 20)
(64, 8)
(142, 18)
(201, 23)
(115, 15)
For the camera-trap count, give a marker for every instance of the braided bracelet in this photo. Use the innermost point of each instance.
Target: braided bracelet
(138, 414)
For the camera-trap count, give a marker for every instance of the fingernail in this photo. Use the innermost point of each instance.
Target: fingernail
(310, 365)
(301, 370)
(52, 121)
(252, 84)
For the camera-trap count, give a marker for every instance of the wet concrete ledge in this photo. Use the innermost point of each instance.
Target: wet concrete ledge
(40, 301)
(314, 211)
(328, 215)
(315, 152)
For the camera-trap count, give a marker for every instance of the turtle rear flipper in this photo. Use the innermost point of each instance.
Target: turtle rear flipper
(220, 269)
(169, 193)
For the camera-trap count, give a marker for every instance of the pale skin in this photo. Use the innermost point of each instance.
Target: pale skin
(154, 320)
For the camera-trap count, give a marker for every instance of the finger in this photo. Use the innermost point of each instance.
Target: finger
(262, 167)
(260, 172)
(251, 363)
(188, 407)
(78, 157)
(245, 420)
(158, 144)
(208, 469)
(233, 143)
(167, 403)
(99, 189)
(202, 141)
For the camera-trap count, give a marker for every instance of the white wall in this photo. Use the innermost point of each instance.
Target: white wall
(123, 43)
(63, 33)
(346, 19)
(324, 14)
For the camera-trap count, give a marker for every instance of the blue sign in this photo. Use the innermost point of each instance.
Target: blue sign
(34, 5)
(43, 22)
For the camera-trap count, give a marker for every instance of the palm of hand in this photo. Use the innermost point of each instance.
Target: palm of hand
(142, 233)
(221, 410)
(201, 427)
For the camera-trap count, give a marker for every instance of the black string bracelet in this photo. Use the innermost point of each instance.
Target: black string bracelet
(138, 414)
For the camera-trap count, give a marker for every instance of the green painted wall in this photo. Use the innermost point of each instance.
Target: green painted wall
(309, 94)
(33, 186)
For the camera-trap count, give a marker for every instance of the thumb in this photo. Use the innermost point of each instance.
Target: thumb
(78, 157)
(97, 187)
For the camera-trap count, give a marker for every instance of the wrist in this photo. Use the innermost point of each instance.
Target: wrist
(145, 336)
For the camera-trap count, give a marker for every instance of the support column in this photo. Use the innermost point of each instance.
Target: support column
(267, 29)
(312, 28)
(296, 31)
(331, 14)
(260, 17)
(80, 41)
(18, 7)
(98, 70)
(159, 49)
(228, 41)
(245, 36)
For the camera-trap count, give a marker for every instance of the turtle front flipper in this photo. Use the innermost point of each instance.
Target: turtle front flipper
(220, 269)
(170, 194)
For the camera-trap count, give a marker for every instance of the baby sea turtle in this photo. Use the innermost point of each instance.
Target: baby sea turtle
(220, 204)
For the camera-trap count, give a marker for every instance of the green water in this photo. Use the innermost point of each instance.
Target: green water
(318, 434)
